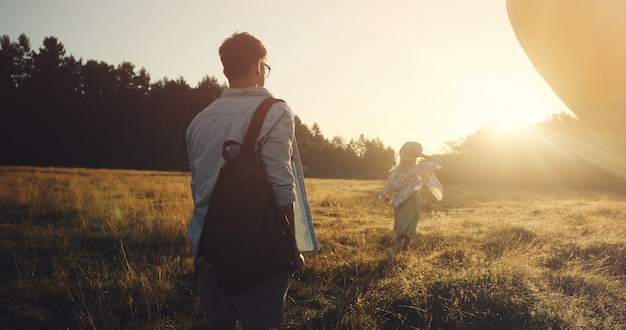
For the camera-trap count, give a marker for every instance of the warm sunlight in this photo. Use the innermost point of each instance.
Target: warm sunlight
(505, 103)
(580, 54)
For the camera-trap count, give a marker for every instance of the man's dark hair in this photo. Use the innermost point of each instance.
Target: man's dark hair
(239, 52)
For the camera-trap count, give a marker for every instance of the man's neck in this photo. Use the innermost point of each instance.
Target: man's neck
(241, 86)
(246, 82)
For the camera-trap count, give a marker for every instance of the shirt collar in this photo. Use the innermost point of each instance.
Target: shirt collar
(250, 91)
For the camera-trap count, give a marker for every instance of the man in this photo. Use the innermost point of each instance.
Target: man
(227, 118)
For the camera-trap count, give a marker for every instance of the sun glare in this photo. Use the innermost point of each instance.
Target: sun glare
(505, 104)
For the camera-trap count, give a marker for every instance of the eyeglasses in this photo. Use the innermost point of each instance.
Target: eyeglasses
(266, 69)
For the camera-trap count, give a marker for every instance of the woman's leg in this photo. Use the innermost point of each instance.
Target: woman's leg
(400, 244)
(403, 242)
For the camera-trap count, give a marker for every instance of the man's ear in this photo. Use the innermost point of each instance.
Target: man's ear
(258, 67)
(260, 76)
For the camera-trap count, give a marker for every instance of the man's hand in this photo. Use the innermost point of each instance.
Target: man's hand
(288, 211)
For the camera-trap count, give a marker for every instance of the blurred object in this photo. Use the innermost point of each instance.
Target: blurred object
(579, 48)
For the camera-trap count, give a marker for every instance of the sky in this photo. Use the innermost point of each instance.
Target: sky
(430, 71)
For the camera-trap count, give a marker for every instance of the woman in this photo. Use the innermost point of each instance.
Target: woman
(402, 191)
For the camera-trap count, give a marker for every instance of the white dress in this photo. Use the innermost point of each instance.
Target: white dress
(407, 178)
(403, 190)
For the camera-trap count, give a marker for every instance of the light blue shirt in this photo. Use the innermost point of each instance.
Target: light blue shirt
(227, 118)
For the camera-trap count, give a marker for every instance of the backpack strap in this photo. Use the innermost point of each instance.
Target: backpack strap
(254, 128)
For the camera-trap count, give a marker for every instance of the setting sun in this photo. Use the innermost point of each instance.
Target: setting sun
(505, 103)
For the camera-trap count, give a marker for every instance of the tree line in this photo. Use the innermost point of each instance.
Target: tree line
(57, 110)
(558, 152)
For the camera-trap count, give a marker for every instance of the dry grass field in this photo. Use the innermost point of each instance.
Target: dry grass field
(106, 249)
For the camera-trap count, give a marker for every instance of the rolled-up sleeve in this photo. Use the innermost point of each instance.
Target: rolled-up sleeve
(276, 152)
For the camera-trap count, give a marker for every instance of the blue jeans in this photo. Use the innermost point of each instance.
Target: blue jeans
(260, 307)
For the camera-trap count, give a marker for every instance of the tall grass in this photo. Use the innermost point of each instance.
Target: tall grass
(93, 248)
(107, 249)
